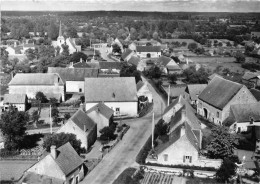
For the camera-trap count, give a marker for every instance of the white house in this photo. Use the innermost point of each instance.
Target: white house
(127, 54)
(83, 127)
(74, 77)
(109, 67)
(118, 93)
(168, 65)
(244, 116)
(50, 84)
(19, 101)
(148, 51)
(143, 90)
(102, 115)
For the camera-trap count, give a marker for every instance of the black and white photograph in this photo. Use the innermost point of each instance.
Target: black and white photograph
(130, 92)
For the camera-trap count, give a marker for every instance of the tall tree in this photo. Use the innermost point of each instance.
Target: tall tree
(53, 31)
(65, 51)
(71, 32)
(12, 125)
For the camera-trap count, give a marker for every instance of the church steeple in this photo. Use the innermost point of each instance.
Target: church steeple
(60, 33)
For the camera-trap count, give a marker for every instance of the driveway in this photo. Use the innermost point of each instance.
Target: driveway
(125, 152)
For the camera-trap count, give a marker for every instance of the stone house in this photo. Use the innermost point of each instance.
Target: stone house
(175, 90)
(244, 116)
(148, 51)
(19, 101)
(102, 115)
(62, 165)
(127, 54)
(251, 79)
(215, 100)
(255, 93)
(118, 93)
(83, 127)
(51, 84)
(168, 65)
(143, 90)
(192, 92)
(74, 77)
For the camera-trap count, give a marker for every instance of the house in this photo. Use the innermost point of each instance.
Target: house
(51, 84)
(70, 42)
(14, 50)
(212, 76)
(251, 79)
(243, 116)
(74, 77)
(102, 115)
(109, 67)
(148, 51)
(255, 93)
(192, 92)
(215, 100)
(83, 127)
(143, 90)
(127, 54)
(118, 93)
(84, 64)
(134, 60)
(62, 165)
(19, 101)
(168, 65)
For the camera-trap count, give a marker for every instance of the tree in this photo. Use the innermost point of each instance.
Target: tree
(35, 116)
(228, 44)
(154, 72)
(222, 143)
(107, 133)
(71, 32)
(53, 102)
(65, 51)
(30, 54)
(67, 116)
(61, 139)
(53, 31)
(240, 57)
(55, 114)
(194, 76)
(192, 46)
(161, 128)
(116, 48)
(155, 35)
(41, 97)
(130, 71)
(184, 44)
(226, 171)
(172, 78)
(76, 56)
(12, 125)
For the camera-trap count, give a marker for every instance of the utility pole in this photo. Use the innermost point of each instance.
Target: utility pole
(153, 132)
(169, 90)
(50, 120)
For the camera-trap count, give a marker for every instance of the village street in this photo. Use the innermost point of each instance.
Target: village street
(124, 153)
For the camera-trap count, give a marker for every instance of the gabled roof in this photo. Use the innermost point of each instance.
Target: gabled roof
(36, 79)
(148, 48)
(68, 159)
(175, 90)
(255, 93)
(103, 109)
(195, 89)
(15, 98)
(251, 75)
(117, 89)
(244, 112)
(74, 74)
(213, 75)
(106, 75)
(163, 60)
(219, 92)
(84, 64)
(109, 65)
(139, 85)
(178, 100)
(126, 53)
(189, 114)
(81, 119)
(176, 135)
(134, 60)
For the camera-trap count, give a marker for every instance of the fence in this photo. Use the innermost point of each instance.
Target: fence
(16, 155)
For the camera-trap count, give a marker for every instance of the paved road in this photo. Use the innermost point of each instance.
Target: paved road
(124, 153)
(104, 51)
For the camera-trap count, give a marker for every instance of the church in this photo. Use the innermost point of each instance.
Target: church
(66, 41)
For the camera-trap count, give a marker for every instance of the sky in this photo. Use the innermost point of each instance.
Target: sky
(133, 5)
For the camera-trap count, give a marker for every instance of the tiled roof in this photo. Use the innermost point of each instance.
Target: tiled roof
(74, 74)
(109, 65)
(116, 89)
(139, 85)
(176, 135)
(126, 53)
(148, 48)
(84, 64)
(14, 98)
(195, 89)
(105, 75)
(35, 79)
(103, 109)
(213, 75)
(251, 75)
(243, 112)
(178, 100)
(68, 159)
(255, 93)
(163, 60)
(134, 60)
(219, 92)
(81, 119)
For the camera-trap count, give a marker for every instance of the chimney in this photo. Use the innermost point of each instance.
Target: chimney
(53, 151)
(182, 130)
(80, 60)
(85, 129)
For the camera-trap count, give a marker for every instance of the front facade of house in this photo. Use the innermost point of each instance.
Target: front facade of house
(143, 90)
(50, 84)
(75, 87)
(19, 101)
(148, 51)
(215, 100)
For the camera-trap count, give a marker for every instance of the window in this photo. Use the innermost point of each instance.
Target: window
(217, 114)
(187, 159)
(165, 157)
(80, 89)
(117, 109)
